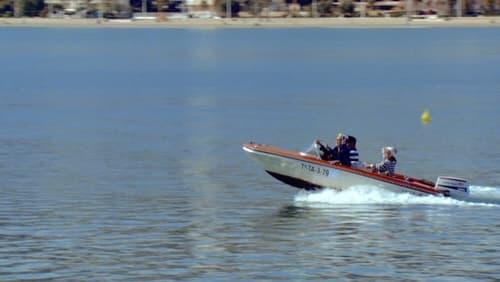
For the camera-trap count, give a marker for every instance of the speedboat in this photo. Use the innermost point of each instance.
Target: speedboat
(306, 170)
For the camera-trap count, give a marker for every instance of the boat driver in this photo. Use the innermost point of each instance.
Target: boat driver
(339, 154)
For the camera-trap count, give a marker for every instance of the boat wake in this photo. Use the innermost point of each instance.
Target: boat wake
(480, 195)
(485, 194)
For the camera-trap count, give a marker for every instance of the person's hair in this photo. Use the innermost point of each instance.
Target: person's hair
(351, 140)
(342, 138)
(391, 150)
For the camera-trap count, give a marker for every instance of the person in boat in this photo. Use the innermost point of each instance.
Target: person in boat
(388, 165)
(353, 152)
(339, 154)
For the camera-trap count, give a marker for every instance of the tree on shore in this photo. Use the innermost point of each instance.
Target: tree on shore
(347, 8)
(325, 8)
(20, 8)
(6, 8)
(489, 7)
(33, 8)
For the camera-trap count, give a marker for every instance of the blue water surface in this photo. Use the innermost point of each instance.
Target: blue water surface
(120, 153)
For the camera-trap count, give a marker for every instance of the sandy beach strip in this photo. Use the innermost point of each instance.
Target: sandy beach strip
(254, 23)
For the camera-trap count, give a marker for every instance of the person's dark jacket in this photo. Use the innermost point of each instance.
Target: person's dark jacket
(339, 153)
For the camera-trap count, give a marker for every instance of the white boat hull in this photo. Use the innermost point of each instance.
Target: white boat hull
(319, 176)
(308, 172)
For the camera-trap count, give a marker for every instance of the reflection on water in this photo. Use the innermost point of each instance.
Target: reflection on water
(150, 234)
(291, 211)
(120, 153)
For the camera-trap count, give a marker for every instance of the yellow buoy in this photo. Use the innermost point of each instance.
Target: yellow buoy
(426, 117)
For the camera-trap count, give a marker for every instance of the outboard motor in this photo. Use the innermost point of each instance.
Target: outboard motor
(452, 186)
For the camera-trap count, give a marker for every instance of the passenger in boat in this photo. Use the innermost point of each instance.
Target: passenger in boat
(353, 152)
(388, 165)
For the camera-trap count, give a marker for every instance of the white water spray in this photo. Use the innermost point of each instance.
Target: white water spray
(372, 195)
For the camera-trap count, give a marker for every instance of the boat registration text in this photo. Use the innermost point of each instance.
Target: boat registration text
(314, 169)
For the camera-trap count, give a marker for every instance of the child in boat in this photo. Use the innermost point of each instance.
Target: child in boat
(388, 165)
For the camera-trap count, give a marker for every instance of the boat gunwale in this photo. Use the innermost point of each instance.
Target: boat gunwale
(414, 185)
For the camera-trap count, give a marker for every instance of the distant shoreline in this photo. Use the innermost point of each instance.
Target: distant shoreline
(254, 23)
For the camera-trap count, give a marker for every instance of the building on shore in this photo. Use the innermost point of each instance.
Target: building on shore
(251, 8)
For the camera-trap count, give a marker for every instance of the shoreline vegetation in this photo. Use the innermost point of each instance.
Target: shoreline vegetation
(402, 22)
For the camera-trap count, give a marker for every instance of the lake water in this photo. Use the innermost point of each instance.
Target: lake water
(120, 153)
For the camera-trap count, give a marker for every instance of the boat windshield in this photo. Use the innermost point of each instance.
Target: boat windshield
(312, 150)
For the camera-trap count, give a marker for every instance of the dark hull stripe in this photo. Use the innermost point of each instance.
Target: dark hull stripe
(295, 182)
